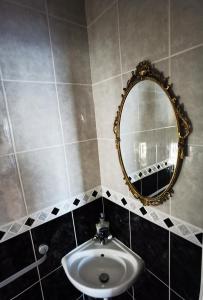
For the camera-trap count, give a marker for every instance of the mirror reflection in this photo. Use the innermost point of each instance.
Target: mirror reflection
(148, 138)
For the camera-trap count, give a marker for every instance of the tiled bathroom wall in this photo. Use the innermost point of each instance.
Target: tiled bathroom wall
(169, 34)
(48, 147)
(51, 95)
(48, 281)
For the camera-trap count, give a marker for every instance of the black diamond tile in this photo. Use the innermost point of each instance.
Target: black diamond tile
(123, 201)
(29, 222)
(108, 193)
(140, 174)
(76, 202)
(143, 210)
(85, 218)
(158, 167)
(55, 211)
(168, 223)
(1, 234)
(94, 194)
(149, 170)
(199, 236)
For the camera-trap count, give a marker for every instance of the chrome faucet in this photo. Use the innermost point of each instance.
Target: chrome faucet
(103, 233)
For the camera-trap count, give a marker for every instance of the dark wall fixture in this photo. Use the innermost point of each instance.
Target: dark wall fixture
(147, 239)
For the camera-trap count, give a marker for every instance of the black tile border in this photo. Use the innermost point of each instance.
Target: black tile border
(17, 227)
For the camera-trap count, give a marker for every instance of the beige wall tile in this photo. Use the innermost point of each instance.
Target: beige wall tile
(111, 173)
(77, 112)
(11, 200)
(104, 46)
(44, 177)
(95, 8)
(143, 31)
(83, 166)
(186, 203)
(107, 97)
(186, 74)
(186, 24)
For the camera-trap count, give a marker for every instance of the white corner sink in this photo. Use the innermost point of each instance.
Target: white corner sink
(102, 271)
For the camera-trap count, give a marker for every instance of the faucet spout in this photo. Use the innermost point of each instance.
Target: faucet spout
(102, 234)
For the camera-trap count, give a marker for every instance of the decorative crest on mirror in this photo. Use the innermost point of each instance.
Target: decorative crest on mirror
(146, 71)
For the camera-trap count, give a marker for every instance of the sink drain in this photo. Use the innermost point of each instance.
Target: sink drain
(104, 277)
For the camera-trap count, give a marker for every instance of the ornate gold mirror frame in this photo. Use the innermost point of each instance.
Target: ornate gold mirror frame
(146, 71)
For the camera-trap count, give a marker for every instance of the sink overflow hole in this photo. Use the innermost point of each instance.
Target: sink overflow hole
(104, 277)
(102, 255)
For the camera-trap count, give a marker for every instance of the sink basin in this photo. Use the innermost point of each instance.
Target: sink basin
(102, 271)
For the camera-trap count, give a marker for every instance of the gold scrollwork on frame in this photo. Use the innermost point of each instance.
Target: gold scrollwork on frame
(146, 71)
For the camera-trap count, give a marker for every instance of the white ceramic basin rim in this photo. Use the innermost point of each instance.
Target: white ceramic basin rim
(118, 264)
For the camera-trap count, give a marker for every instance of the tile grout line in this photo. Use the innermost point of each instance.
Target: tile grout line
(103, 206)
(66, 20)
(58, 103)
(77, 142)
(25, 6)
(129, 225)
(48, 147)
(25, 290)
(187, 50)
(105, 80)
(100, 15)
(46, 82)
(13, 142)
(43, 12)
(164, 283)
(51, 272)
(201, 280)
(38, 272)
(74, 229)
(169, 70)
(119, 45)
(153, 62)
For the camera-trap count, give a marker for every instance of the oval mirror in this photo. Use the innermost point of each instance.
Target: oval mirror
(151, 130)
